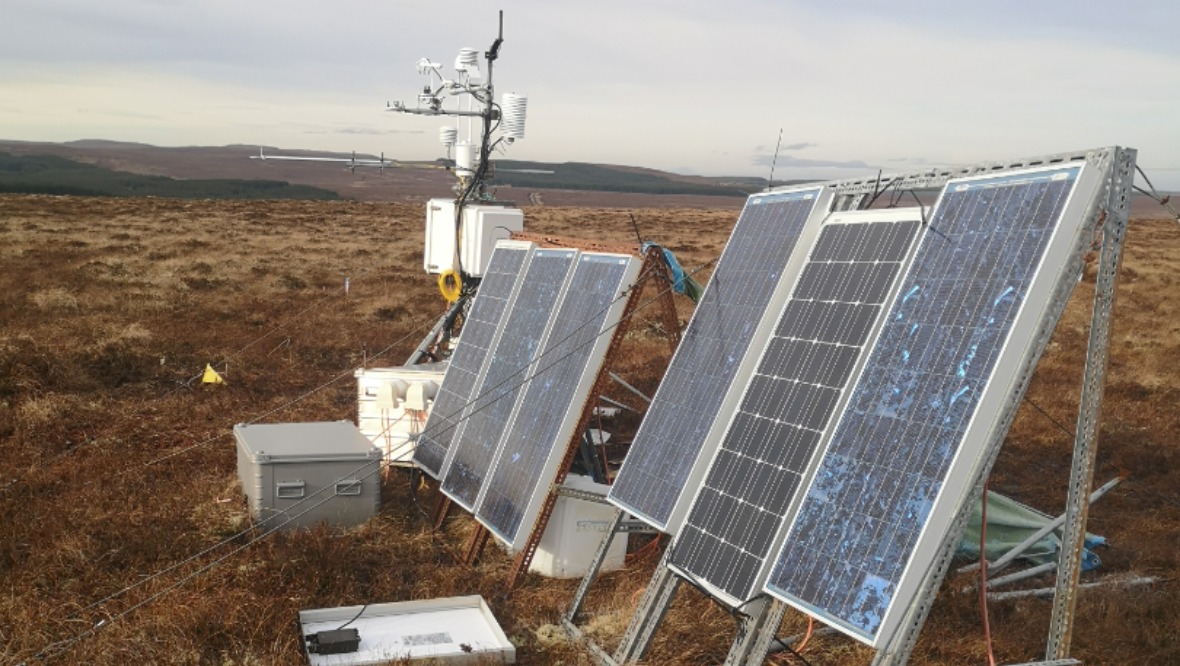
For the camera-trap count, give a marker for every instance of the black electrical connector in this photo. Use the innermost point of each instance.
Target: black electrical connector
(334, 641)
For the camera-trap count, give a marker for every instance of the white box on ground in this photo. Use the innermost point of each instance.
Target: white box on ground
(453, 630)
(296, 475)
(575, 530)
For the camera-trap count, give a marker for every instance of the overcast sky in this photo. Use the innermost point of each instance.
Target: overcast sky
(688, 85)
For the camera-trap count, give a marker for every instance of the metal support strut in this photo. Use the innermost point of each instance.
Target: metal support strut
(648, 615)
(1121, 163)
(1086, 438)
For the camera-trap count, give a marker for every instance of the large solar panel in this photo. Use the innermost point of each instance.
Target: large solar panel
(654, 480)
(480, 332)
(551, 406)
(487, 414)
(793, 395)
(907, 450)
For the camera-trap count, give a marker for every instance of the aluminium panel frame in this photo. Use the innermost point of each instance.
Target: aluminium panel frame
(896, 652)
(655, 601)
(786, 289)
(958, 482)
(821, 208)
(458, 420)
(482, 399)
(574, 411)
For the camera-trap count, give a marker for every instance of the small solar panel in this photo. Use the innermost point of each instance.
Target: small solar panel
(487, 414)
(654, 477)
(552, 405)
(907, 449)
(479, 334)
(786, 407)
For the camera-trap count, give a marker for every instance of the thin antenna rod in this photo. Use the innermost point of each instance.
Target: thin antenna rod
(773, 162)
(635, 224)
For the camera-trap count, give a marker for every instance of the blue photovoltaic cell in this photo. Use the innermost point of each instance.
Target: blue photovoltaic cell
(487, 414)
(567, 363)
(479, 332)
(877, 483)
(681, 413)
(789, 401)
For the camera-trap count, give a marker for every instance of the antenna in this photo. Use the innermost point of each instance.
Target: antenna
(774, 161)
(635, 225)
(476, 99)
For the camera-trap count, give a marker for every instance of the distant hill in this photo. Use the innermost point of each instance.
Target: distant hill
(51, 174)
(607, 178)
(572, 183)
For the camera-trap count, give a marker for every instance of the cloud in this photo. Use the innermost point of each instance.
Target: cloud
(788, 161)
(375, 132)
(118, 113)
(800, 146)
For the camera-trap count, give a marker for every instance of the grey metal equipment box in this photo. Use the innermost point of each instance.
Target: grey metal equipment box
(309, 473)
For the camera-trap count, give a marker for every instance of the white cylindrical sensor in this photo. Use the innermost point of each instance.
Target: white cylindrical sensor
(514, 111)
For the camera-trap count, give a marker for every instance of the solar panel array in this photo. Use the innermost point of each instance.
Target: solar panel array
(480, 332)
(656, 470)
(551, 405)
(902, 457)
(791, 398)
(487, 414)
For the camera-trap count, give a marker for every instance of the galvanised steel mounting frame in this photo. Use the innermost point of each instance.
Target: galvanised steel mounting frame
(1107, 216)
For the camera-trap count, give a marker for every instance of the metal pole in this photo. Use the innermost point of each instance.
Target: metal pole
(444, 321)
(595, 566)
(652, 608)
(1085, 444)
(756, 632)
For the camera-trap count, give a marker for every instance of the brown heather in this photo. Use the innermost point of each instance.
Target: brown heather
(109, 306)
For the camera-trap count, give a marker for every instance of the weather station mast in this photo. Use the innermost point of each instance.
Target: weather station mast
(482, 126)
(462, 232)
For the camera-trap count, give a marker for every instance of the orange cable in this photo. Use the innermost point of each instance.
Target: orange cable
(807, 636)
(987, 631)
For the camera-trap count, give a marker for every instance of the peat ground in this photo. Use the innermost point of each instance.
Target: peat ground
(116, 465)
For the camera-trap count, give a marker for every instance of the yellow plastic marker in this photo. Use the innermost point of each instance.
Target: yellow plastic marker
(211, 376)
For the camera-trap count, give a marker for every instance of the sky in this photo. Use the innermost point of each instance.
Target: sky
(693, 86)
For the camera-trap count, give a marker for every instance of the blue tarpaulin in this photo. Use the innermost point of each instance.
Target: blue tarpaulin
(1009, 523)
(681, 282)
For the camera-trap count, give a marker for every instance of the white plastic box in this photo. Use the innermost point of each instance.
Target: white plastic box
(393, 404)
(575, 530)
(308, 472)
(482, 226)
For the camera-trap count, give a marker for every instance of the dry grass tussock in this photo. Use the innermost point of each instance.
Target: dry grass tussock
(108, 308)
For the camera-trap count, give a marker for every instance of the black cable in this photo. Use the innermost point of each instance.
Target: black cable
(1069, 433)
(451, 422)
(788, 648)
(41, 655)
(1151, 491)
(1155, 196)
(883, 190)
(61, 646)
(354, 617)
(921, 208)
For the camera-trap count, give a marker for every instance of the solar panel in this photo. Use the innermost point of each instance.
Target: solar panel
(907, 450)
(801, 376)
(486, 416)
(552, 405)
(654, 477)
(479, 334)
